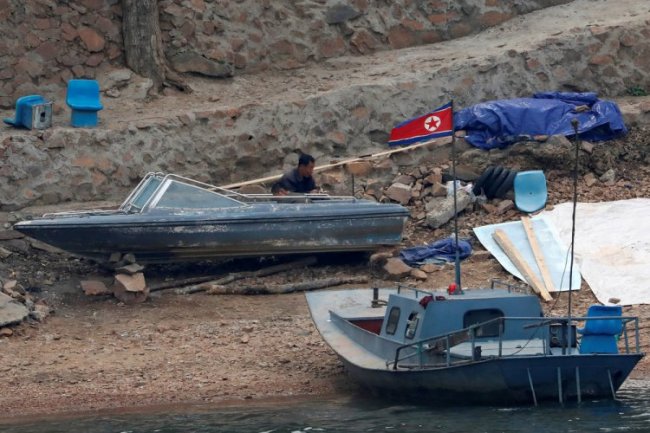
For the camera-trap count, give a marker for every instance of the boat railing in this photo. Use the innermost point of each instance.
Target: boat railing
(416, 291)
(142, 196)
(551, 332)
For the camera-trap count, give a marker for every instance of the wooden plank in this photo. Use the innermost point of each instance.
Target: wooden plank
(338, 164)
(513, 254)
(538, 254)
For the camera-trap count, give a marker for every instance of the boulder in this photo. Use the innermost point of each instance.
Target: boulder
(399, 192)
(418, 274)
(189, 61)
(439, 211)
(94, 288)
(131, 283)
(11, 311)
(395, 267)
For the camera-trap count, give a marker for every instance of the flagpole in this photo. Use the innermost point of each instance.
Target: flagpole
(453, 168)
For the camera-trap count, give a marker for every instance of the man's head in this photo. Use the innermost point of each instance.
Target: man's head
(306, 165)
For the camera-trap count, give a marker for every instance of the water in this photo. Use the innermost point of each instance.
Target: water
(630, 413)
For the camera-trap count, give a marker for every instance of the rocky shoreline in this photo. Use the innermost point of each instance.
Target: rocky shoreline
(99, 353)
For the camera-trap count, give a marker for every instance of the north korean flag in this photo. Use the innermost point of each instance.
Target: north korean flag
(438, 123)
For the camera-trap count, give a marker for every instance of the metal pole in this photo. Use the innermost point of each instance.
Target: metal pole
(559, 385)
(575, 124)
(532, 388)
(453, 165)
(578, 389)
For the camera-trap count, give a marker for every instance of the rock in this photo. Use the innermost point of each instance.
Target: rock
(131, 283)
(45, 247)
(40, 312)
(489, 208)
(505, 206)
(439, 211)
(438, 190)
(341, 13)
(92, 40)
(608, 176)
(429, 268)
(404, 179)
(418, 274)
(130, 269)
(189, 61)
(6, 332)
(130, 297)
(587, 147)
(433, 178)
(379, 258)
(11, 311)
(395, 267)
(245, 339)
(465, 173)
(613, 300)
(6, 235)
(129, 258)
(590, 179)
(4, 253)
(94, 288)
(115, 257)
(399, 192)
(117, 78)
(359, 168)
(113, 93)
(10, 285)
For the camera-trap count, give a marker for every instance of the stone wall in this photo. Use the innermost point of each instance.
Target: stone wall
(256, 35)
(45, 43)
(221, 145)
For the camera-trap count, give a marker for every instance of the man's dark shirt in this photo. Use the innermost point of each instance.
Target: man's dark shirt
(293, 182)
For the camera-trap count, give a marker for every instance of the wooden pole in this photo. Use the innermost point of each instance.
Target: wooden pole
(537, 253)
(336, 164)
(511, 251)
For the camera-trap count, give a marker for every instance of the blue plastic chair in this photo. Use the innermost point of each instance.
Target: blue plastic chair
(600, 335)
(83, 98)
(530, 190)
(24, 105)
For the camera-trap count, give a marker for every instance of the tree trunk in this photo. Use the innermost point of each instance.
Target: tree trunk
(143, 44)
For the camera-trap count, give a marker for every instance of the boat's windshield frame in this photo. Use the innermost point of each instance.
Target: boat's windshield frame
(131, 205)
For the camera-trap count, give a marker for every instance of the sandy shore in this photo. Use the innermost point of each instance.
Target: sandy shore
(98, 354)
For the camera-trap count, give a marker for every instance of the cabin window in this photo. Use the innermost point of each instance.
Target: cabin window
(180, 195)
(474, 317)
(412, 325)
(146, 190)
(393, 319)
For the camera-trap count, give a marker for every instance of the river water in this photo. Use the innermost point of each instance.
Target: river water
(631, 413)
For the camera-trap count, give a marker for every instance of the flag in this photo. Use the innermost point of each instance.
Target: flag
(438, 123)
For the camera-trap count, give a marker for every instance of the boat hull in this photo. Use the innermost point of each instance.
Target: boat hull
(182, 237)
(503, 381)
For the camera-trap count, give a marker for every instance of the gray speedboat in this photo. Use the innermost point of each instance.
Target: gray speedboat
(484, 345)
(169, 218)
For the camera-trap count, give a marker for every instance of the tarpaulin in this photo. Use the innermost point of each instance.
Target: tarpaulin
(438, 252)
(497, 124)
(612, 245)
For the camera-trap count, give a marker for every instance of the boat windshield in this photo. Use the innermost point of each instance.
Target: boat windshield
(181, 195)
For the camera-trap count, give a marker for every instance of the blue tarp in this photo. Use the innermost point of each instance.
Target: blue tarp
(438, 252)
(497, 124)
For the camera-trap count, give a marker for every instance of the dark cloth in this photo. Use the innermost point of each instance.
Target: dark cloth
(293, 182)
(440, 251)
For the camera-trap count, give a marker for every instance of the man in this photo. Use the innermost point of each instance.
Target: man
(299, 179)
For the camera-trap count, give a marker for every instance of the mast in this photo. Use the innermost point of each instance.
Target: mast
(453, 169)
(575, 124)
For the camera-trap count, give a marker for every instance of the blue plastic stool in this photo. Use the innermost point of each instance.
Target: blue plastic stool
(83, 98)
(530, 190)
(600, 335)
(32, 111)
